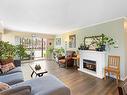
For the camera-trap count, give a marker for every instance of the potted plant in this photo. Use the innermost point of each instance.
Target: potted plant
(49, 52)
(58, 52)
(83, 47)
(21, 52)
(105, 40)
(7, 51)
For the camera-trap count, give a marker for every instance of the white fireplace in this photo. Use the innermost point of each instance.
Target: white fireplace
(98, 59)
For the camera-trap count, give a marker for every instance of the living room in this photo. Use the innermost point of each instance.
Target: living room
(63, 50)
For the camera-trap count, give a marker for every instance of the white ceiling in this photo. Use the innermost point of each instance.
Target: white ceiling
(58, 16)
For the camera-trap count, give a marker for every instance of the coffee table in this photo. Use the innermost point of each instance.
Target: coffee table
(38, 73)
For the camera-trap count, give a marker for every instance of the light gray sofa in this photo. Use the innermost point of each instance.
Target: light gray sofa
(13, 76)
(45, 85)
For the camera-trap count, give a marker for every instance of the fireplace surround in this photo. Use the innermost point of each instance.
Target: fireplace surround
(92, 62)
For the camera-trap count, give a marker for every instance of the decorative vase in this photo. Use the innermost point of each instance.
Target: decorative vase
(103, 47)
(37, 67)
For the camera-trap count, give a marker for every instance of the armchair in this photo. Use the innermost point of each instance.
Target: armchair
(67, 60)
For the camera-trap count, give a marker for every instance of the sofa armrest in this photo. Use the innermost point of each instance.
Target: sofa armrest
(22, 90)
(17, 63)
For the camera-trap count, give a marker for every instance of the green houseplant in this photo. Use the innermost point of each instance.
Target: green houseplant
(7, 50)
(21, 52)
(60, 51)
(49, 52)
(105, 40)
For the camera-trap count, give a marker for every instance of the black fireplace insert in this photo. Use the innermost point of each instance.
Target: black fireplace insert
(89, 64)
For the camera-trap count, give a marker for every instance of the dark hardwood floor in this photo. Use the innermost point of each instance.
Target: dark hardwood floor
(80, 83)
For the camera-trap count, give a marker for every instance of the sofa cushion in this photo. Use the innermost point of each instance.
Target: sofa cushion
(17, 69)
(12, 78)
(4, 86)
(22, 90)
(6, 67)
(46, 85)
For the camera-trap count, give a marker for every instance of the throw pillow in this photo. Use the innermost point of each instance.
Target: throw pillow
(7, 67)
(4, 86)
(11, 65)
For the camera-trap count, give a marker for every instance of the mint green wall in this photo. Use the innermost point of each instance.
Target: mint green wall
(114, 29)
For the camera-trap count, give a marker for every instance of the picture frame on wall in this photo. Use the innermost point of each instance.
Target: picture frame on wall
(72, 41)
(58, 41)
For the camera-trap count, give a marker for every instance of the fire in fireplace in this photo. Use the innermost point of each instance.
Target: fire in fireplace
(89, 64)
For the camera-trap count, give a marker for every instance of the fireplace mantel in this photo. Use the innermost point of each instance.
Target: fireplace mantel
(99, 57)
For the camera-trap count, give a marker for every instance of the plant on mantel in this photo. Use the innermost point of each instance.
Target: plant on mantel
(103, 42)
(98, 42)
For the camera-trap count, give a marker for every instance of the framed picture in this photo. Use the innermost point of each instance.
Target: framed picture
(72, 41)
(58, 41)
